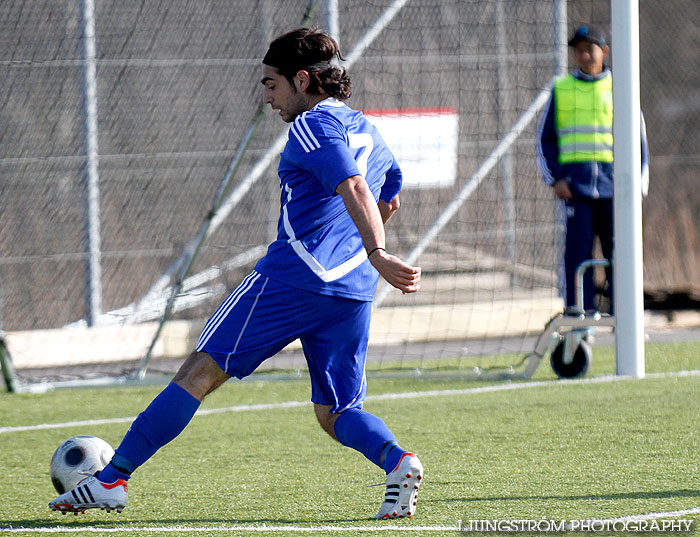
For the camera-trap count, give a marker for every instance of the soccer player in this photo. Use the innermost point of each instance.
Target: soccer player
(339, 185)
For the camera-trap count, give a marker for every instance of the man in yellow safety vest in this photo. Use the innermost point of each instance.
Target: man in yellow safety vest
(575, 156)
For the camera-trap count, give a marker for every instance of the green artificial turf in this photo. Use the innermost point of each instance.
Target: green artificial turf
(550, 450)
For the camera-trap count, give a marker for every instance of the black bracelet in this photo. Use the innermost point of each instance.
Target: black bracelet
(374, 250)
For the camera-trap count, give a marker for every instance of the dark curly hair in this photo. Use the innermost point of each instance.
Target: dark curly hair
(315, 52)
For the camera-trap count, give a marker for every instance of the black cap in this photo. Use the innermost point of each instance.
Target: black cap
(589, 32)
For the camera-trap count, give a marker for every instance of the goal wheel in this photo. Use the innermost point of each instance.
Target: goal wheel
(582, 359)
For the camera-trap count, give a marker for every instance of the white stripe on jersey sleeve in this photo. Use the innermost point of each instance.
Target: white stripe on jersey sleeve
(309, 133)
(300, 137)
(303, 134)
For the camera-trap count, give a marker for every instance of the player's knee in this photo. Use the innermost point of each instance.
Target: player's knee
(326, 419)
(200, 375)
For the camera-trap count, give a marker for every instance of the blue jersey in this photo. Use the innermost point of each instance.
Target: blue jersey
(318, 247)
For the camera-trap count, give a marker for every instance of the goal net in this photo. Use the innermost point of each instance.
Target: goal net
(122, 119)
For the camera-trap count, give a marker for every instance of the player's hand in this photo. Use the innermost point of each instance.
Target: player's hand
(562, 190)
(395, 271)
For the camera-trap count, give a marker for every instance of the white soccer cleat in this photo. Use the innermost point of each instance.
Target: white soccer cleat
(402, 488)
(91, 493)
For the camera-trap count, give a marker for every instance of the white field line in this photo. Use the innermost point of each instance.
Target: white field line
(654, 516)
(505, 386)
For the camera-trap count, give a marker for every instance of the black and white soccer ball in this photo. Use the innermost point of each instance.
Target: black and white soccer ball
(77, 458)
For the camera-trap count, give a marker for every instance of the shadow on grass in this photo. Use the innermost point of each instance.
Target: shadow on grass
(84, 522)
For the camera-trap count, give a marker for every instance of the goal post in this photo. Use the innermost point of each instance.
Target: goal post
(628, 279)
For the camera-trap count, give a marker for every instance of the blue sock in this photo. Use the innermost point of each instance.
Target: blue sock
(390, 456)
(369, 435)
(109, 474)
(163, 420)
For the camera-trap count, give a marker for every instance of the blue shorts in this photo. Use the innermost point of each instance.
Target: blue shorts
(262, 316)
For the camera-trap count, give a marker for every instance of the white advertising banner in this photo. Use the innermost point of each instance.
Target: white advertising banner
(424, 141)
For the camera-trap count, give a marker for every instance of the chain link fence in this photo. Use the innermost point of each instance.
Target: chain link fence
(177, 85)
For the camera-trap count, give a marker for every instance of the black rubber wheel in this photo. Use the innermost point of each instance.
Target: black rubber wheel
(583, 357)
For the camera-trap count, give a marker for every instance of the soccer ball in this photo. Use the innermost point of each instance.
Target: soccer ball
(77, 458)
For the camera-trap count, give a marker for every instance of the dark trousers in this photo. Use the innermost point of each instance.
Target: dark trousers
(587, 218)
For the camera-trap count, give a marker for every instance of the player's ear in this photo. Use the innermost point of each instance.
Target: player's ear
(301, 80)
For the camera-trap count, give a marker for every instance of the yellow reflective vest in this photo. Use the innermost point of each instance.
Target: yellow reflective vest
(584, 119)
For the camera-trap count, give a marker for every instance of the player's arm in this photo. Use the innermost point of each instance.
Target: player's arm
(365, 212)
(389, 195)
(387, 209)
